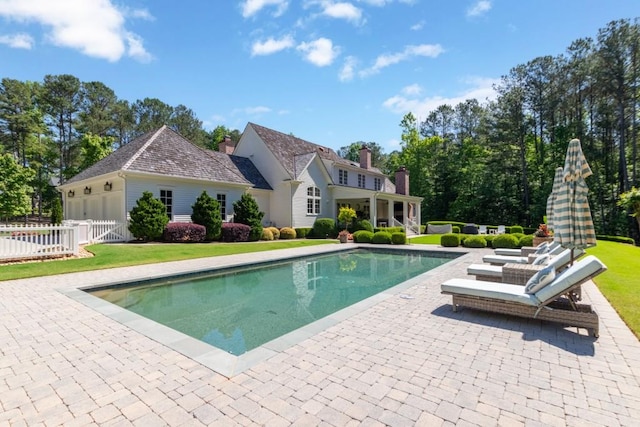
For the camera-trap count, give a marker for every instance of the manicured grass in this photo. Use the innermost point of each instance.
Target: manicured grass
(426, 239)
(620, 284)
(122, 255)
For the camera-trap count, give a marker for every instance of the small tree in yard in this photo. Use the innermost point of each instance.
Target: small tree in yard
(148, 218)
(630, 201)
(246, 211)
(206, 212)
(56, 211)
(15, 188)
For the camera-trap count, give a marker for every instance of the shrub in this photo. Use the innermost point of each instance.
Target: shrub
(450, 240)
(475, 242)
(381, 238)
(303, 232)
(287, 233)
(505, 241)
(235, 232)
(246, 211)
(361, 224)
(619, 239)
(206, 212)
(184, 232)
(527, 240)
(389, 230)
(518, 236)
(267, 234)
(455, 229)
(275, 232)
(489, 239)
(515, 229)
(324, 227)
(362, 236)
(346, 216)
(148, 218)
(56, 211)
(399, 239)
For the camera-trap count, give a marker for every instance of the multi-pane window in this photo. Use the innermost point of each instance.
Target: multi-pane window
(222, 201)
(313, 201)
(377, 183)
(362, 180)
(343, 177)
(166, 197)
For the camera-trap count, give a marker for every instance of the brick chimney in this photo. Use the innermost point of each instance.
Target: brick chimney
(365, 157)
(226, 146)
(402, 181)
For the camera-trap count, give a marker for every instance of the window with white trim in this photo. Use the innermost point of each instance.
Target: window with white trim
(377, 184)
(343, 177)
(362, 180)
(313, 201)
(166, 197)
(222, 201)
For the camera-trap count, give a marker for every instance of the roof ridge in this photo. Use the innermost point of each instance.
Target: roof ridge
(143, 148)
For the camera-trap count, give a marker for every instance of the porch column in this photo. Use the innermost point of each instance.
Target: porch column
(390, 206)
(405, 212)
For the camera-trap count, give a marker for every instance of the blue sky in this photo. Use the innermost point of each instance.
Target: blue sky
(329, 71)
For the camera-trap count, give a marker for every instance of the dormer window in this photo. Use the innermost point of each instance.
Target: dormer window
(343, 177)
(377, 184)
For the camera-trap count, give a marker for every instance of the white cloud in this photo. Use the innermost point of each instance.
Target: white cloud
(342, 10)
(272, 45)
(478, 88)
(479, 8)
(418, 26)
(320, 52)
(18, 41)
(251, 7)
(348, 69)
(383, 61)
(414, 89)
(94, 27)
(252, 111)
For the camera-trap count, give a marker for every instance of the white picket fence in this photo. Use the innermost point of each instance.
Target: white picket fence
(20, 241)
(37, 241)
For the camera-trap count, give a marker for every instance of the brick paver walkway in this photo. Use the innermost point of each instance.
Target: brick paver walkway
(402, 362)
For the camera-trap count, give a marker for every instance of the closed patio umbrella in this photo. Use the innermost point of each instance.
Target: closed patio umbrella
(552, 199)
(571, 213)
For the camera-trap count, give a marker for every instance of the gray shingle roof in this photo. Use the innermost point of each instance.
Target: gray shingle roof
(292, 151)
(165, 152)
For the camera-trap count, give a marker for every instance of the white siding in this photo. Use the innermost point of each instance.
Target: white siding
(263, 200)
(184, 194)
(312, 176)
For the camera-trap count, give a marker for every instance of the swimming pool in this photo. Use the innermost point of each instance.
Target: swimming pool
(240, 309)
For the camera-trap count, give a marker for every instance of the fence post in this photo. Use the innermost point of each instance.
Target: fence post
(75, 238)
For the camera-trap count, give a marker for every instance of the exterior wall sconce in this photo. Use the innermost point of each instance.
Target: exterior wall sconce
(108, 186)
(87, 190)
(71, 193)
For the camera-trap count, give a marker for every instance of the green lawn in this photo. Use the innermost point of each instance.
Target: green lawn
(620, 284)
(122, 255)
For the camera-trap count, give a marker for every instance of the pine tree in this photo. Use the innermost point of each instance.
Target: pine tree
(206, 212)
(148, 218)
(56, 211)
(246, 211)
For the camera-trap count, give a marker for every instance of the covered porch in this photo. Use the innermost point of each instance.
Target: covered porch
(381, 209)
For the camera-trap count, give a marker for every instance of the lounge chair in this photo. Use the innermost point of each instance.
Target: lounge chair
(546, 303)
(503, 259)
(496, 273)
(482, 229)
(501, 229)
(525, 251)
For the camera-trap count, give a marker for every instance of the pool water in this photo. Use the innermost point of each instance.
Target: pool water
(241, 309)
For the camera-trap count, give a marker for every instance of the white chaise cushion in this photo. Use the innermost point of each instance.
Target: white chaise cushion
(495, 290)
(542, 248)
(577, 273)
(541, 260)
(484, 270)
(541, 279)
(503, 259)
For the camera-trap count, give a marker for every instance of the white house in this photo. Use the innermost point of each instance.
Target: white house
(294, 181)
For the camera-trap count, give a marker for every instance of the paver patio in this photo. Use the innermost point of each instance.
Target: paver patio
(402, 361)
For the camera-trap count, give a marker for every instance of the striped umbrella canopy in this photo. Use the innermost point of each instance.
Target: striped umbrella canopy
(551, 200)
(571, 213)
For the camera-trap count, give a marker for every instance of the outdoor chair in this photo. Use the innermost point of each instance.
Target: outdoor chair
(482, 229)
(503, 259)
(552, 302)
(519, 274)
(525, 251)
(501, 229)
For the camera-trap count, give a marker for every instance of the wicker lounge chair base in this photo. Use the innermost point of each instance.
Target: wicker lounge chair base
(558, 311)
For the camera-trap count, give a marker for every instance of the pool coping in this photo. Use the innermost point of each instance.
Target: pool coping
(225, 363)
